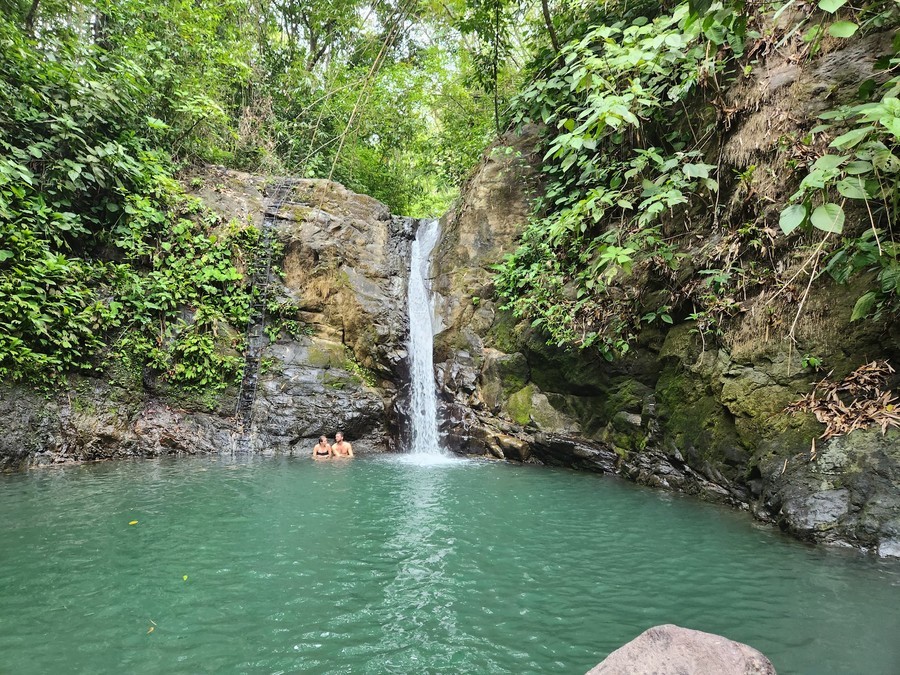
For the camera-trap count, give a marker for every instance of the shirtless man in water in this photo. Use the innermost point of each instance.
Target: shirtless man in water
(341, 448)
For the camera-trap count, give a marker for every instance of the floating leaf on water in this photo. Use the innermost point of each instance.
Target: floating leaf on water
(133, 522)
(184, 577)
(151, 629)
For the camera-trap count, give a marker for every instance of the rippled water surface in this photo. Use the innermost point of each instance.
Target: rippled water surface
(379, 565)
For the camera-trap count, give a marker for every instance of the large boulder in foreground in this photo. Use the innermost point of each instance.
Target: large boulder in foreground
(673, 650)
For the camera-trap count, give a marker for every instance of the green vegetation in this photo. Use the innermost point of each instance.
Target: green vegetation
(635, 109)
(861, 171)
(358, 370)
(616, 167)
(103, 257)
(101, 254)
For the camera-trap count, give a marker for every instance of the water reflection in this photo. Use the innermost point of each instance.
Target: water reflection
(418, 616)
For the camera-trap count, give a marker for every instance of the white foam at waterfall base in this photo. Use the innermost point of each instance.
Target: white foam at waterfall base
(429, 459)
(423, 394)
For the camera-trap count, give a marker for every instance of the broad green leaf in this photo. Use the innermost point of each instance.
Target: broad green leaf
(831, 6)
(791, 218)
(867, 88)
(842, 29)
(852, 188)
(696, 170)
(892, 124)
(826, 162)
(851, 138)
(716, 34)
(858, 167)
(157, 124)
(814, 179)
(699, 7)
(890, 278)
(828, 218)
(886, 161)
(863, 306)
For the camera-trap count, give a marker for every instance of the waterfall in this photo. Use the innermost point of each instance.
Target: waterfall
(423, 394)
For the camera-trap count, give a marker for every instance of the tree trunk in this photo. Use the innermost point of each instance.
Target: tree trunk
(101, 31)
(496, 65)
(554, 40)
(31, 16)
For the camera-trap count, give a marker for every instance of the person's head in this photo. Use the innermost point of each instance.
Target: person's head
(323, 440)
(339, 436)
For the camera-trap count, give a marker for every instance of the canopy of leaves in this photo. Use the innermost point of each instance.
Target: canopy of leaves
(102, 103)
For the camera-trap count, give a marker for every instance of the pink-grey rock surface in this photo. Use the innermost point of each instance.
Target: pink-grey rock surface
(673, 650)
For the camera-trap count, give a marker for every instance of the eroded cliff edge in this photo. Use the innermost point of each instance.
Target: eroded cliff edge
(342, 272)
(682, 412)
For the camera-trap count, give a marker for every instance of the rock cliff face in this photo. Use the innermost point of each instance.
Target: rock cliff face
(344, 268)
(681, 412)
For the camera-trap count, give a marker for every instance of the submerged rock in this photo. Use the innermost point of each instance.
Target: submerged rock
(673, 650)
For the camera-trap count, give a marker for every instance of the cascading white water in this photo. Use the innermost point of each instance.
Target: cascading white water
(423, 396)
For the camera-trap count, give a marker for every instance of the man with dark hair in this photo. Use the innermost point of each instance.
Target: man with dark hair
(341, 448)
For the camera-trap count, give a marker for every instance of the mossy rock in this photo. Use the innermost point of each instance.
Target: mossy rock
(510, 370)
(322, 354)
(566, 372)
(337, 379)
(519, 407)
(626, 395)
(588, 411)
(547, 418)
(695, 422)
(295, 212)
(680, 343)
(505, 333)
(530, 406)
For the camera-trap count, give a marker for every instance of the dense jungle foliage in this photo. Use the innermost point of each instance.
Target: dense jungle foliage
(632, 227)
(105, 259)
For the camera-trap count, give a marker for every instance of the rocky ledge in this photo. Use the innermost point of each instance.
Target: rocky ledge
(344, 269)
(704, 417)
